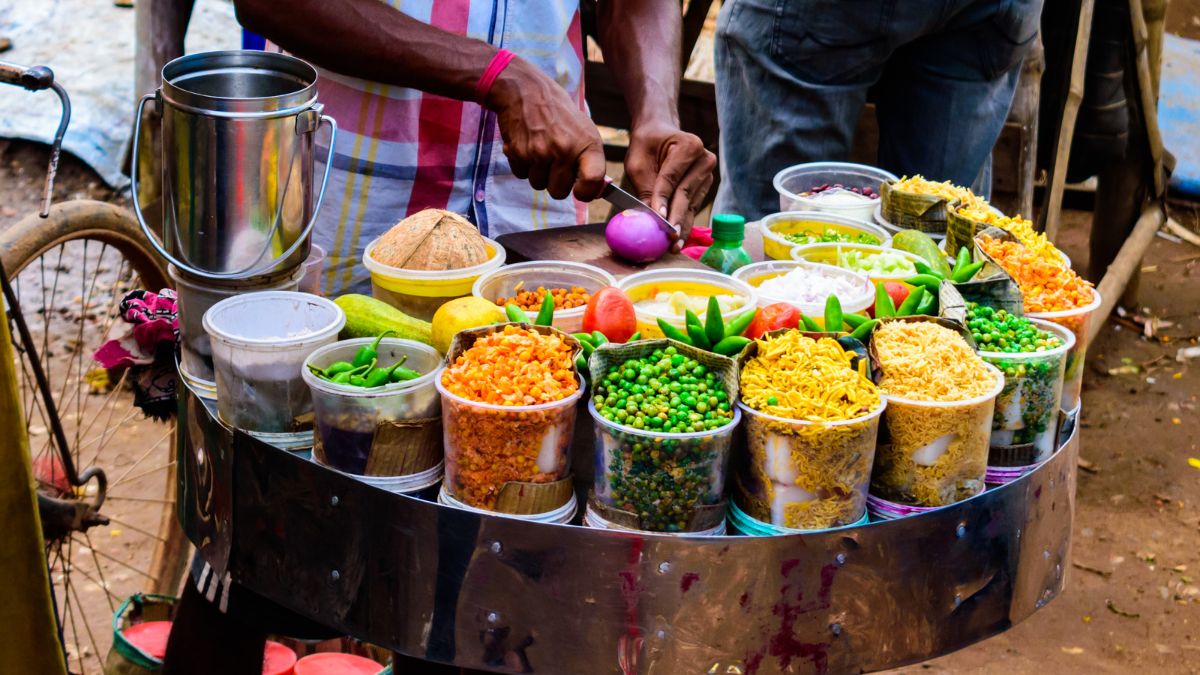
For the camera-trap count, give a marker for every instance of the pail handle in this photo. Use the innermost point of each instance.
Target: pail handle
(153, 239)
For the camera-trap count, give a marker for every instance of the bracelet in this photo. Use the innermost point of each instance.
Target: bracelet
(496, 66)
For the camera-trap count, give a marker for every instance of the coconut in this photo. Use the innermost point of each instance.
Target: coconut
(432, 239)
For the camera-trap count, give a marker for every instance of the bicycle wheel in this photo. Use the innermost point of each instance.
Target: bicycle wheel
(69, 273)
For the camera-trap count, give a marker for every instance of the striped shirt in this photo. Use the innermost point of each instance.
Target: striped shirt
(399, 150)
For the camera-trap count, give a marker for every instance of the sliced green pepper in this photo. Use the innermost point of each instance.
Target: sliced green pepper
(854, 320)
(714, 325)
(928, 306)
(368, 353)
(933, 283)
(864, 330)
(695, 330)
(545, 315)
(810, 325)
(731, 345)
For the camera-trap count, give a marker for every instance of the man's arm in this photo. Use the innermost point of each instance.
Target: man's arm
(641, 44)
(546, 138)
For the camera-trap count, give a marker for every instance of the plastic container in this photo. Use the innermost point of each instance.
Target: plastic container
(881, 509)
(349, 419)
(1077, 321)
(934, 453)
(489, 445)
(794, 180)
(330, 663)
(1025, 424)
(776, 226)
(699, 283)
(756, 274)
(310, 271)
(419, 293)
(150, 637)
(593, 519)
(878, 218)
(634, 467)
(827, 254)
(278, 659)
(260, 342)
(806, 475)
(742, 524)
(561, 515)
(503, 282)
(193, 298)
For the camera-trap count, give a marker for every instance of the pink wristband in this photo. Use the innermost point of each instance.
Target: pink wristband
(497, 65)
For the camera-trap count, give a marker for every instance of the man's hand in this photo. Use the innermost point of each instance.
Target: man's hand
(672, 172)
(547, 139)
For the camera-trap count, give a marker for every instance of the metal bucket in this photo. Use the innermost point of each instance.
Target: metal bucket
(238, 130)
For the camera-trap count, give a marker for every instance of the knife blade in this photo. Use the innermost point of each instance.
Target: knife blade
(613, 194)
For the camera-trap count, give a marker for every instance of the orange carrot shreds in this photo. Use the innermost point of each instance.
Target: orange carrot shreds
(1018, 227)
(512, 367)
(1045, 286)
(564, 298)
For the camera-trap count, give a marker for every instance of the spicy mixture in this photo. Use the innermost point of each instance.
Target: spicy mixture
(564, 298)
(1045, 286)
(515, 366)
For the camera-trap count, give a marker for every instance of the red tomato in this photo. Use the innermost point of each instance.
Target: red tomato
(610, 311)
(773, 317)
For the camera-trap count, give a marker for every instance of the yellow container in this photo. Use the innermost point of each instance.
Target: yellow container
(419, 293)
(697, 283)
(828, 254)
(777, 226)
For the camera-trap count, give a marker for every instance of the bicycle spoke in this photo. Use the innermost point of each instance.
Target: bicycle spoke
(117, 561)
(66, 604)
(148, 472)
(111, 596)
(87, 626)
(146, 454)
(144, 500)
(99, 571)
(129, 526)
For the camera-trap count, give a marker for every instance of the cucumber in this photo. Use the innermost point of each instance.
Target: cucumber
(368, 317)
(923, 245)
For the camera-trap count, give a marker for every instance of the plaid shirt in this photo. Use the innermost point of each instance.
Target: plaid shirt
(400, 150)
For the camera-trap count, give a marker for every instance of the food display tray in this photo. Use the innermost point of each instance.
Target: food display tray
(510, 596)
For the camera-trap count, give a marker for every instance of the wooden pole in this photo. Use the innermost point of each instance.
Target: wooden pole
(1127, 262)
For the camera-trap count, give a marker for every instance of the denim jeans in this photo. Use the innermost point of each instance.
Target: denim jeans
(793, 75)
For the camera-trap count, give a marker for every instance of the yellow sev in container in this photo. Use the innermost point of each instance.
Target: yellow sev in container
(945, 189)
(811, 424)
(1022, 229)
(940, 398)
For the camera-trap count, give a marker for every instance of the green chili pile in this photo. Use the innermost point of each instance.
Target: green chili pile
(364, 371)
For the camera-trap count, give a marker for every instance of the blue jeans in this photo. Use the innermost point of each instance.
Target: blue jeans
(792, 80)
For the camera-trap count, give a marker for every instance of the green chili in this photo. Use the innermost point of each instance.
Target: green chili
(672, 332)
(378, 377)
(864, 330)
(967, 272)
(928, 306)
(884, 307)
(963, 259)
(599, 339)
(714, 325)
(515, 314)
(367, 354)
(854, 320)
(695, 330)
(912, 302)
(810, 325)
(734, 344)
(740, 323)
(545, 315)
(335, 368)
(923, 268)
(927, 280)
(833, 314)
(637, 335)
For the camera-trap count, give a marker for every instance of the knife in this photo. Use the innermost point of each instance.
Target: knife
(613, 194)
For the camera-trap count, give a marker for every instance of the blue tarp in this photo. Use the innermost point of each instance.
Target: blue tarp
(1179, 111)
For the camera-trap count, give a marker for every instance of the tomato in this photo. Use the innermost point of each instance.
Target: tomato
(773, 317)
(610, 311)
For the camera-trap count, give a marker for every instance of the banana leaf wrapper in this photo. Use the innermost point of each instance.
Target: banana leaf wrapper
(911, 211)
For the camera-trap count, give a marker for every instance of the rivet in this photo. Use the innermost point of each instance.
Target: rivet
(497, 547)
(835, 628)
(840, 558)
(961, 530)
(1046, 554)
(333, 501)
(493, 617)
(957, 600)
(664, 567)
(335, 575)
(660, 634)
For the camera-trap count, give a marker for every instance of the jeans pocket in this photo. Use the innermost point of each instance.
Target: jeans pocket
(1014, 27)
(834, 42)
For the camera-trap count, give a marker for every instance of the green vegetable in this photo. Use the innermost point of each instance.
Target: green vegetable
(928, 306)
(403, 374)
(884, 307)
(358, 381)
(864, 330)
(854, 320)
(833, 314)
(334, 368)
(672, 332)
(997, 330)
(515, 314)
(810, 325)
(341, 378)
(921, 244)
(545, 315)
(584, 339)
(637, 335)
(885, 262)
(731, 345)
(581, 364)
(368, 353)
(911, 303)
(740, 323)
(963, 259)
(695, 330)
(832, 237)
(377, 377)
(922, 268)
(368, 317)
(714, 325)
(599, 339)
(933, 283)
(967, 272)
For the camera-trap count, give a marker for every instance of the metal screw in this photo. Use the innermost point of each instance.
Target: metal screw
(1046, 554)
(957, 600)
(961, 530)
(836, 629)
(840, 558)
(333, 501)
(660, 634)
(497, 547)
(335, 575)
(664, 567)
(493, 617)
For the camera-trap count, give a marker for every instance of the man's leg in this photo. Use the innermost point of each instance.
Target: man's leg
(206, 640)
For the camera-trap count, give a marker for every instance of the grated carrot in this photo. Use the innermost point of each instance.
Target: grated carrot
(1046, 286)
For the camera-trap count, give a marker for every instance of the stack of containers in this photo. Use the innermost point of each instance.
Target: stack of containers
(419, 293)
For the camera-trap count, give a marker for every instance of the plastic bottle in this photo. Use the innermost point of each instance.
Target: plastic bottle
(726, 253)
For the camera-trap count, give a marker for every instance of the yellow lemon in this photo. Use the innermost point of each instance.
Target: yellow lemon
(461, 314)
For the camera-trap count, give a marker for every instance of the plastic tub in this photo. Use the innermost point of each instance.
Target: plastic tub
(794, 180)
(278, 659)
(560, 515)
(1025, 424)
(755, 274)
(742, 524)
(503, 282)
(1077, 321)
(193, 298)
(419, 293)
(878, 218)
(489, 445)
(827, 254)
(348, 418)
(881, 509)
(634, 467)
(700, 283)
(593, 519)
(331, 663)
(807, 475)
(776, 226)
(934, 453)
(310, 271)
(260, 341)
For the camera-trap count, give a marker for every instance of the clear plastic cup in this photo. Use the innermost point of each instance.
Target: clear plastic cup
(310, 281)
(741, 523)
(756, 273)
(511, 279)
(807, 475)
(489, 445)
(560, 515)
(348, 418)
(193, 297)
(777, 226)
(794, 180)
(646, 285)
(934, 453)
(259, 342)
(828, 254)
(1025, 424)
(660, 476)
(593, 519)
(419, 293)
(1078, 321)
(421, 484)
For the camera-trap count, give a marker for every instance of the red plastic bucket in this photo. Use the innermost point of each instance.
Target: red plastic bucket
(150, 637)
(336, 664)
(278, 659)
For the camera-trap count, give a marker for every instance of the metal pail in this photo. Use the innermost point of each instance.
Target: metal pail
(238, 130)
